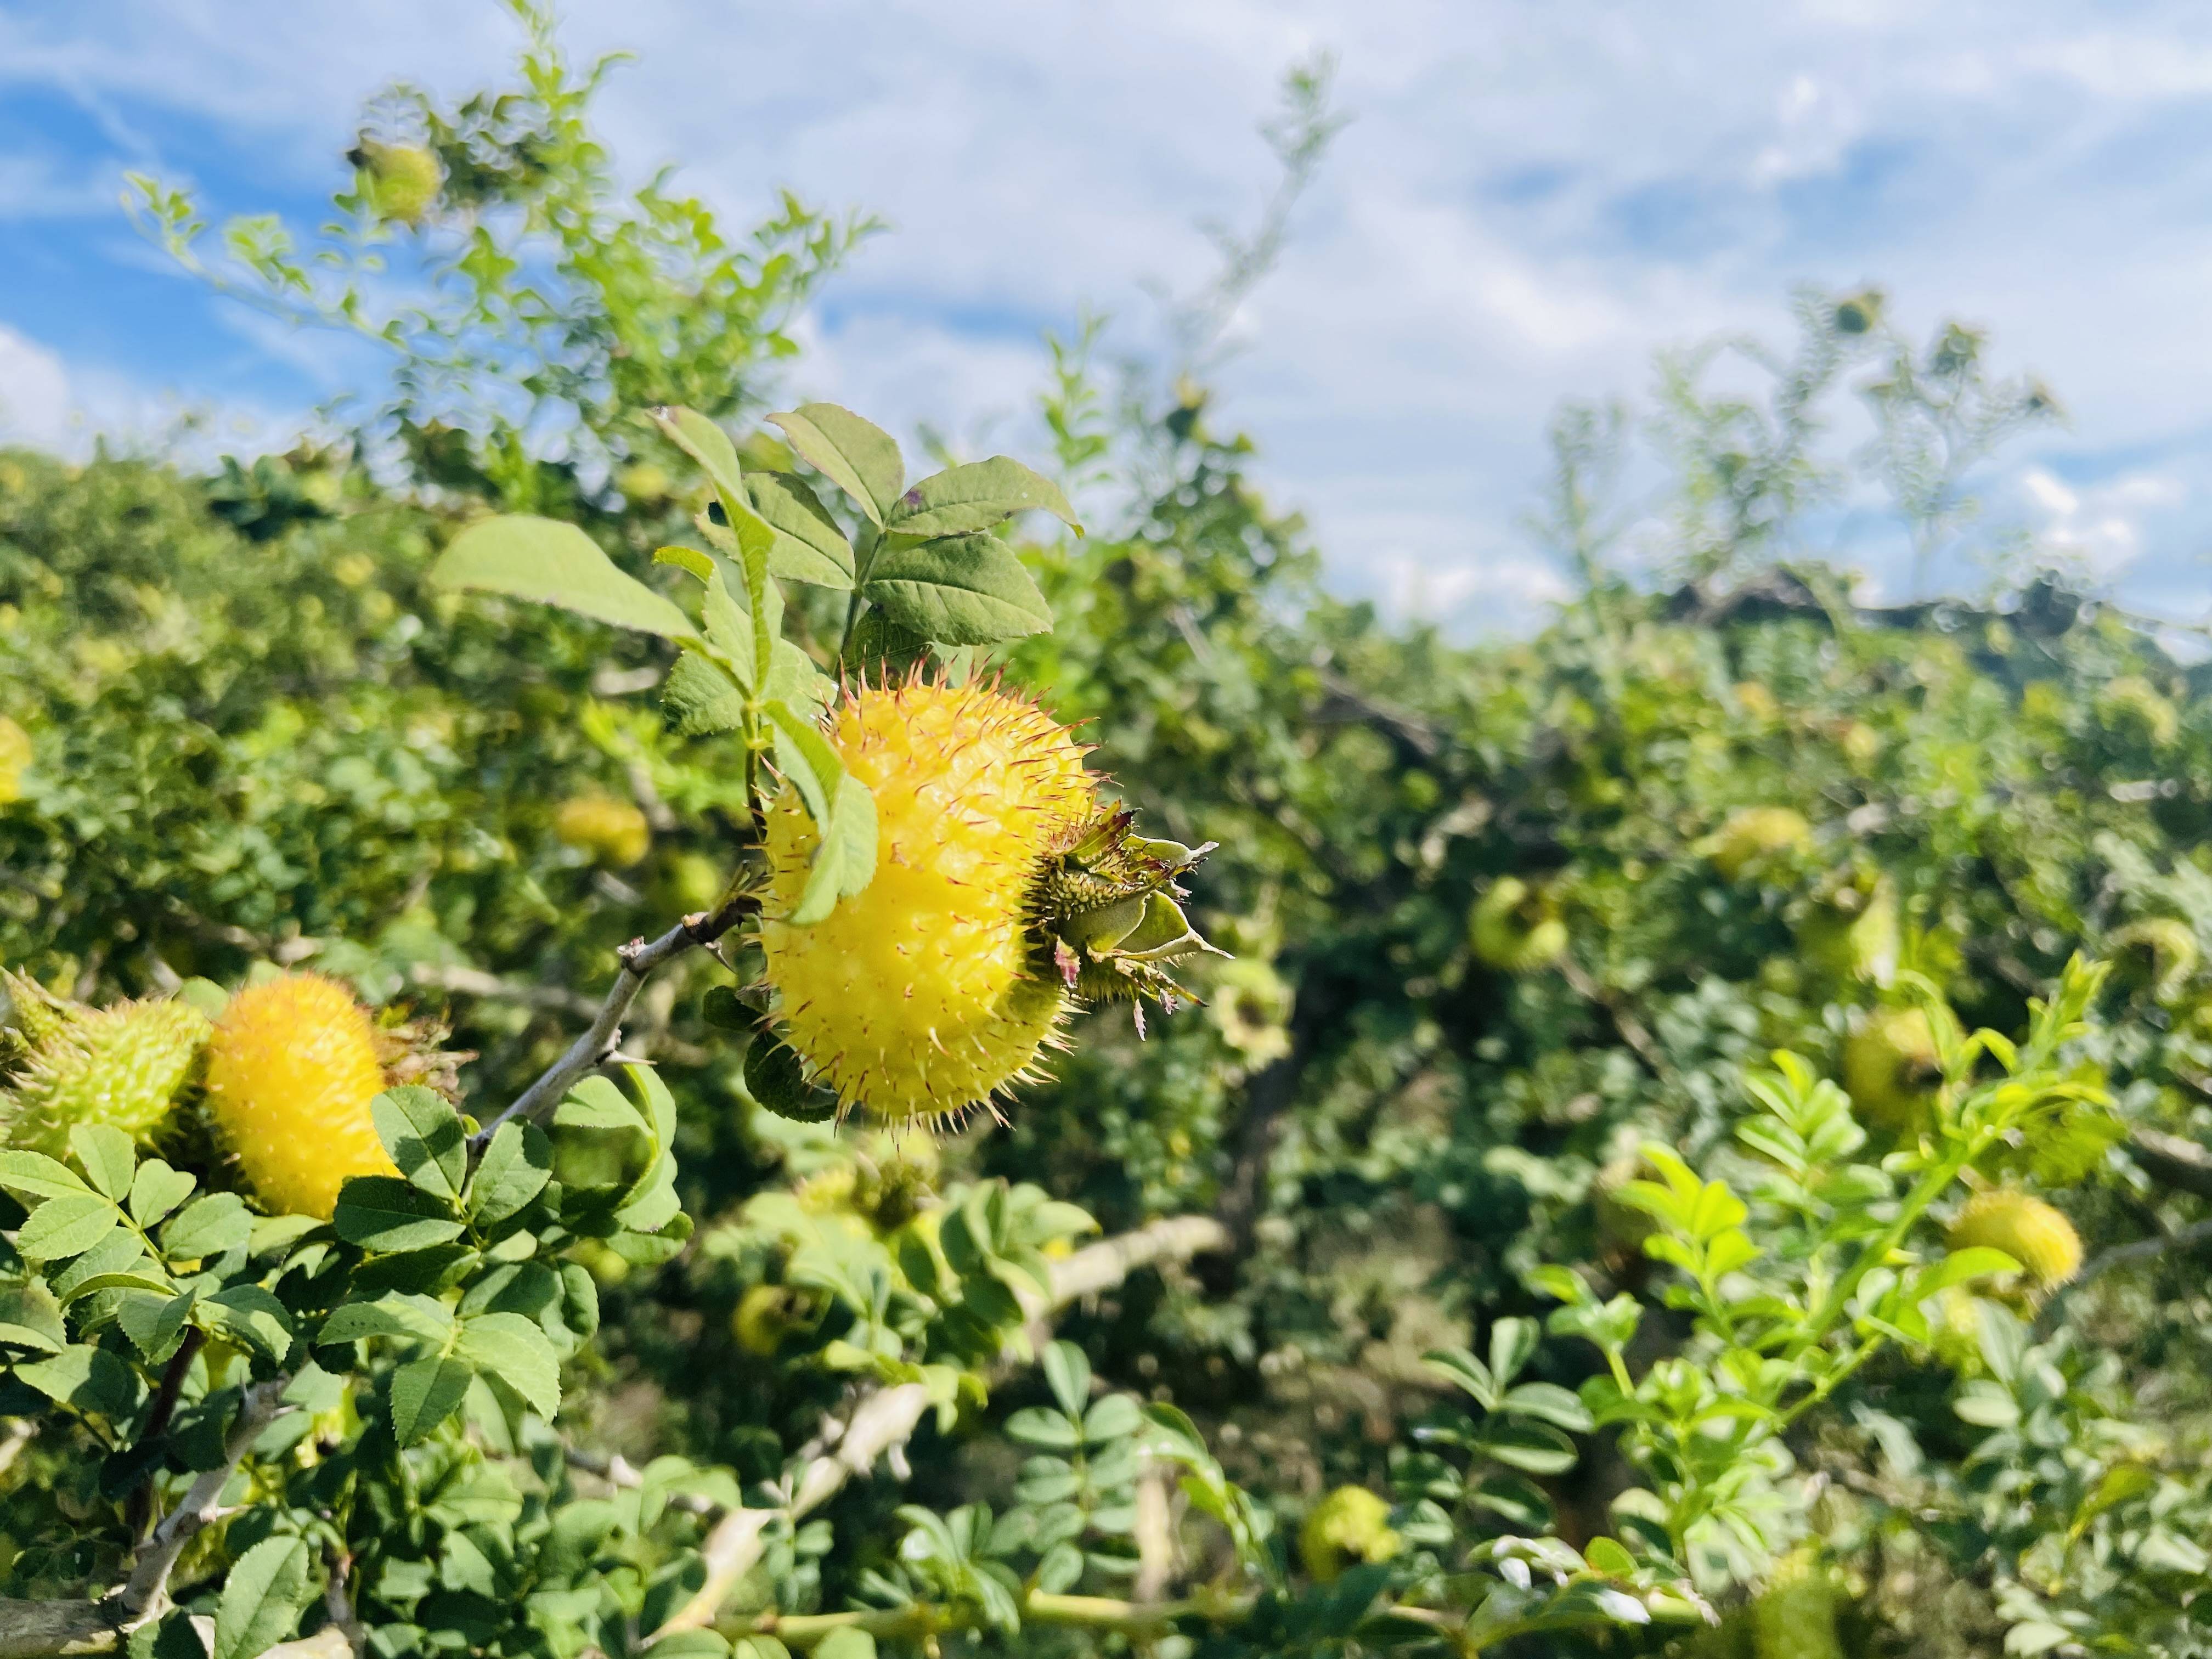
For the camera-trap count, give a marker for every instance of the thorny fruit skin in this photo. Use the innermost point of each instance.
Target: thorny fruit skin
(123, 1066)
(1890, 1068)
(1352, 1524)
(403, 179)
(919, 998)
(2032, 1233)
(292, 1067)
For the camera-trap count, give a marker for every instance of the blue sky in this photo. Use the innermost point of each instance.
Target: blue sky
(1534, 195)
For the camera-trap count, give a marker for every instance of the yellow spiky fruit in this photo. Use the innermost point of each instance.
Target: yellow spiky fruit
(2032, 1233)
(615, 833)
(123, 1066)
(1890, 1068)
(1753, 835)
(292, 1067)
(919, 996)
(1352, 1524)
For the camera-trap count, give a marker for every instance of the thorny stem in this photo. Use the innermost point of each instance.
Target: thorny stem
(157, 1420)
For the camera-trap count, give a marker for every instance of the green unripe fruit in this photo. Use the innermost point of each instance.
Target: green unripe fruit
(2160, 952)
(1853, 930)
(1754, 834)
(1352, 1524)
(401, 180)
(1795, 1617)
(122, 1066)
(1890, 1068)
(766, 1313)
(1516, 927)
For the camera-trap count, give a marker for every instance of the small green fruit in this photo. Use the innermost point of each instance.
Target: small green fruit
(1352, 1524)
(1890, 1068)
(123, 1066)
(1515, 928)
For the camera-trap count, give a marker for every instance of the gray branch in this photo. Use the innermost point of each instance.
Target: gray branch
(603, 1038)
(886, 1418)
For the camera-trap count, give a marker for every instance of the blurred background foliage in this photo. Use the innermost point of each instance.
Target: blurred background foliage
(1500, 911)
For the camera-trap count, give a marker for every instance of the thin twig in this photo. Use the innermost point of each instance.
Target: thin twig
(603, 1038)
(148, 1587)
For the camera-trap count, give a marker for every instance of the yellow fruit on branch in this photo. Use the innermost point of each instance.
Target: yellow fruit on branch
(1891, 1070)
(123, 1066)
(292, 1067)
(1352, 1524)
(612, 832)
(920, 996)
(2032, 1232)
(998, 901)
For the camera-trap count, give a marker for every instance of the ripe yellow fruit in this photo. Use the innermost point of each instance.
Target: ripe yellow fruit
(1753, 835)
(614, 832)
(292, 1067)
(1516, 927)
(921, 996)
(2041, 1239)
(1351, 1522)
(122, 1066)
(1890, 1068)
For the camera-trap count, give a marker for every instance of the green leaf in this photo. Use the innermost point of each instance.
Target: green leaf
(843, 809)
(511, 1350)
(208, 1226)
(64, 1227)
(809, 546)
(261, 1594)
(424, 1394)
(425, 1137)
(977, 495)
(1512, 1341)
(859, 459)
(86, 1379)
(31, 1317)
(417, 1317)
(1550, 1403)
(1536, 1447)
(958, 590)
(693, 1645)
(515, 1167)
(384, 1212)
(555, 563)
(250, 1315)
(1067, 1372)
(1978, 1261)
(156, 1190)
(1111, 1418)
(33, 1175)
(846, 1643)
(109, 1157)
(153, 1322)
(1040, 1426)
(700, 696)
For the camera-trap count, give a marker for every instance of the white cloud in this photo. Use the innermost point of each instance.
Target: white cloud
(35, 407)
(1533, 196)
